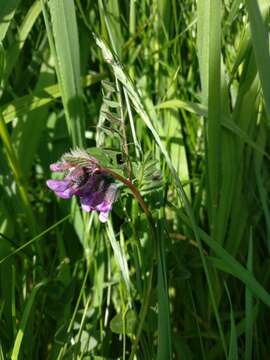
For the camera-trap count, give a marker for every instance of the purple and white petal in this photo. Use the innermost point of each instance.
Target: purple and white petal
(86, 207)
(55, 167)
(60, 166)
(103, 216)
(58, 185)
(86, 203)
(67, 194)
(104, 206)
(96, 190)
(62, 188)
(89, 201)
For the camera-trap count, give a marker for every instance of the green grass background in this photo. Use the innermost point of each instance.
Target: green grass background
(176, 88)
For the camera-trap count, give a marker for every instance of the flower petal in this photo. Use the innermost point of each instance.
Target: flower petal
(86, 207)
(103, 216)
(82, 177)
(62, 188)
(111, 193)
(58, 185)
(60, 166)
(67, 194)
(89, 201)
(55, 167)
(104, 206)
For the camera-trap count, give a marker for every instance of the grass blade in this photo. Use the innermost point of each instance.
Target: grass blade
(7, 11)
(233, 352)
(23, 324)
(164, 326)
(65, 33)
(248, 306)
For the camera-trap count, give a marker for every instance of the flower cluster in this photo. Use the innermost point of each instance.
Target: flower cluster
(84, 177)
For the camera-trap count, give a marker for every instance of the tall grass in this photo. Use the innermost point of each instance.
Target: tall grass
(174, 97)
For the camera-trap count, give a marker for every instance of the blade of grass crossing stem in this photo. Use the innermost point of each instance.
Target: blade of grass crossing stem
(248, 305)
(233, 351)
(139, 107)
(66, 40)
(23, 324)
(260, 42)
(164, 332)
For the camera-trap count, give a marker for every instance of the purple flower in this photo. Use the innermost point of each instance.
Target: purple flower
(83, 177)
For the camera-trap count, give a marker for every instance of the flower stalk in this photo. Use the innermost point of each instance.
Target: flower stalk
(134, 190)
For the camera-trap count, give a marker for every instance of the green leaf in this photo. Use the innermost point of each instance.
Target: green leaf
(124, 323)
(195, 108)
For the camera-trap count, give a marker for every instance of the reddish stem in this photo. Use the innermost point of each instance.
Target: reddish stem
(133, 188)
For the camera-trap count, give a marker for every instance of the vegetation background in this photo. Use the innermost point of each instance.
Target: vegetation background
(177, 94)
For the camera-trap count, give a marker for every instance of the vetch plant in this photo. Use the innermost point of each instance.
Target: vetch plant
(92, 175)
(149, 127)
(84, 177)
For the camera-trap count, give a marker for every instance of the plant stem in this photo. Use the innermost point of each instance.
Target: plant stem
(146, 301)
(134, 190)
